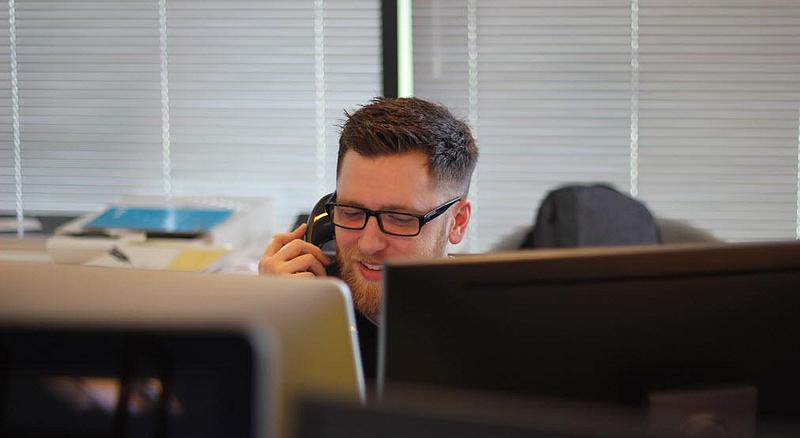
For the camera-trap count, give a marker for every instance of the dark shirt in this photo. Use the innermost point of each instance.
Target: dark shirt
(368, 342)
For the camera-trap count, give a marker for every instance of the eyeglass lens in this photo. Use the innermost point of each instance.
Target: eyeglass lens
(393, 223)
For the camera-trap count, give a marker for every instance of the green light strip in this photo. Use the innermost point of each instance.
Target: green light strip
(405, 51)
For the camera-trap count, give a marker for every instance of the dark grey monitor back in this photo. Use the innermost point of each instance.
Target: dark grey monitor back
(421, 413)
(607, 325)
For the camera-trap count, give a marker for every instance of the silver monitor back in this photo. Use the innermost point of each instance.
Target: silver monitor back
(301, 331)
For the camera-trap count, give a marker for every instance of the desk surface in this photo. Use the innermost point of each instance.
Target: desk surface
(31, 248)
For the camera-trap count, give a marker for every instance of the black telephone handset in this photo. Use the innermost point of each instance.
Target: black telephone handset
(320, 232)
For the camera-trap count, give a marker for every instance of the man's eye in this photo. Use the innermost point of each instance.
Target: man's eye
(400, 219)
(349, 213)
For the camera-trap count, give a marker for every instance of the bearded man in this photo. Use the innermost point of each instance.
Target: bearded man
(403, 172)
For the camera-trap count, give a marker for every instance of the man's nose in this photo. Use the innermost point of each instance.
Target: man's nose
(372, 239)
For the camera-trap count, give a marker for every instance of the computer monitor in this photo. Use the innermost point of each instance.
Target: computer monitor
(89, 351)
(435, 413)
(685, 331)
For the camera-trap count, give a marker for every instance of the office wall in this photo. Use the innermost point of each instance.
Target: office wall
(690, 105)
(186, 97)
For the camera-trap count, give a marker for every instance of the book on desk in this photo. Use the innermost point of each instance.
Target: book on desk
(213, 224)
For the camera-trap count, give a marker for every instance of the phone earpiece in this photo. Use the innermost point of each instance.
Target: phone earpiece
(320, 227)
(320, 231)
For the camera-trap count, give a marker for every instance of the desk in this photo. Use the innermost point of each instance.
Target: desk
(28, 249)
(33, 248)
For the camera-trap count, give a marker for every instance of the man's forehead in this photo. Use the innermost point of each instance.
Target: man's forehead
(397, 181)
(407, 167)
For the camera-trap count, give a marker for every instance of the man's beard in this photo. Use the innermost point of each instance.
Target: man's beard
(367, 294)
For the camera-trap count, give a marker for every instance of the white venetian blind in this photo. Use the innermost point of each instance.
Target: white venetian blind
(353, 72)
(441, 72)
(88, 102)
(552, 89)
(252, 86)
(720, 94)
(691, 105)
(186, 96)
(242, 99)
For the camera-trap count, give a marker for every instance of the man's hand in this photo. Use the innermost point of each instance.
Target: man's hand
(289, 254)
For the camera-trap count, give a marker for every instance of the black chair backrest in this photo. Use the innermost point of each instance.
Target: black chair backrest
(594, 215)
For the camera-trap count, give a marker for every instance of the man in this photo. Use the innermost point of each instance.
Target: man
(402, 176)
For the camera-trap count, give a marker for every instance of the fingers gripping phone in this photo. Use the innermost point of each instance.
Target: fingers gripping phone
(320, 232)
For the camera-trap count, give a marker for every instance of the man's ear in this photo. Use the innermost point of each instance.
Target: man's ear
(458, 227)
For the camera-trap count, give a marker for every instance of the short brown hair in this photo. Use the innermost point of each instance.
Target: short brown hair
(388, 126)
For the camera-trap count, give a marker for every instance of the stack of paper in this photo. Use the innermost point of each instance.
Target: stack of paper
(162, 257)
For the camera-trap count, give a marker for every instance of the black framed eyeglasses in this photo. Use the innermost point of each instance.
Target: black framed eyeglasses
(394, 223)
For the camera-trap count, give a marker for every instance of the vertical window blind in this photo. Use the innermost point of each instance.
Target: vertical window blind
(691, 106)
(8, 176)
(185, 97)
